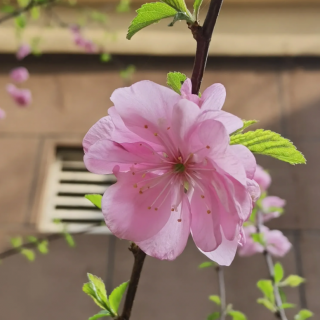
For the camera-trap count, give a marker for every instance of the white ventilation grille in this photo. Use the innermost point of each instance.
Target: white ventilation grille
(68, 182)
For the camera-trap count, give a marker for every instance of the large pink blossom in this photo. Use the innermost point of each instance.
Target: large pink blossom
(263, 178)
(23, 51)
(19, 74)
(276, 243)
(21, 96)
(176, 172)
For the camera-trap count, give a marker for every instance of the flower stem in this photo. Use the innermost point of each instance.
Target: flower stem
(280, 313)
(139, 257)
(203, 37)
(222, 289)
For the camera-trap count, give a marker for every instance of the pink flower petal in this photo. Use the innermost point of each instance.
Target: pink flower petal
(247, 159)
(213, 97)
(101, 130)
(105, 154)
(186, 92)
(23, 51)
(21, 96)
(262, 177)
(20, 74)
(171, 240)
(134, 215)
(226, 251)
(272, 202)
(277, 244)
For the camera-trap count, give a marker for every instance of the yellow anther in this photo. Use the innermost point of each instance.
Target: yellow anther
(140, 192)
(208, 147)
(146, 126)
(208, 211)
(149, 208)
(172, 209)
(179, 220)
(133, 173)
(202, 196)
(135, 185)
(156, 209)
(143, 175)
(155, 134)
(168, 128)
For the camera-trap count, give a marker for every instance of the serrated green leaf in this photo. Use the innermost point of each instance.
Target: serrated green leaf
(214, 316)
(175, 80)
(206, 264)
(278, 272)
(179, 5)
(116, 296)
(16, 242)
(101, 314)
(292, 281)
(269, 305)
(303, 315)
(68, 237)
(29, 254)
(246, 124)
(237, 315)
(87, 288)
(7, 9)
(43, 247)
(148, 14)
(269, 143)
(287, 306)
(215, 299)
(94, 199)
(266, 288)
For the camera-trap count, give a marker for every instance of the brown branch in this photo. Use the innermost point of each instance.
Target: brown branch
(203, 37)
(139, 257)
(222, 292)
(29, 6)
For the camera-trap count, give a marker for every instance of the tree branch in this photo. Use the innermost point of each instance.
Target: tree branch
(203, 37)
(29, 6)
(280, 314)
(139, 257)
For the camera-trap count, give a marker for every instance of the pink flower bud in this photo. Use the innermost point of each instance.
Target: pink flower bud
(23, 51)
(20, 74)
(21, 96)
(262, 177)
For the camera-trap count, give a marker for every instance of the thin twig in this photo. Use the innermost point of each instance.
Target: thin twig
(29, 6)
(222, 289)
(203, 37)
(280, 314)
(139, 257)
(30, 245)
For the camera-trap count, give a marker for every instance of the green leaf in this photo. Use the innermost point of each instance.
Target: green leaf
(237, 315)
(20, 22)
(32, 239)
(246, 124)
(95, 199)
(101, 314)
(292, 281)
(258, 237)
(303, 314)
(269, 143)
(269, 305)
(23, 3)
(215, 299)
(196, 8)
(97, 291)
(128, 72)
(282, 295)
(7, 9)
(68, 237)
(43, 247)
(105, 57)
(179, 5)
(175, 80)
(179, 17)
(29, 254)
(278, 272)
(116, 296)
(98, 16)
(148, 14)
(35, 13)
(123, 6)
(206, 264)
(214, 316)
(287, 305)
(16, 242)
(266, 288)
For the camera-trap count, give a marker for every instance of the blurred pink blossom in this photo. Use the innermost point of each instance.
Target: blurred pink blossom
(276, 243)
(23, 51)
(262, 177)
(82, 42)
(21, 96)
(2, 114)
(176, 171)
(19, 74)
(272, 207)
